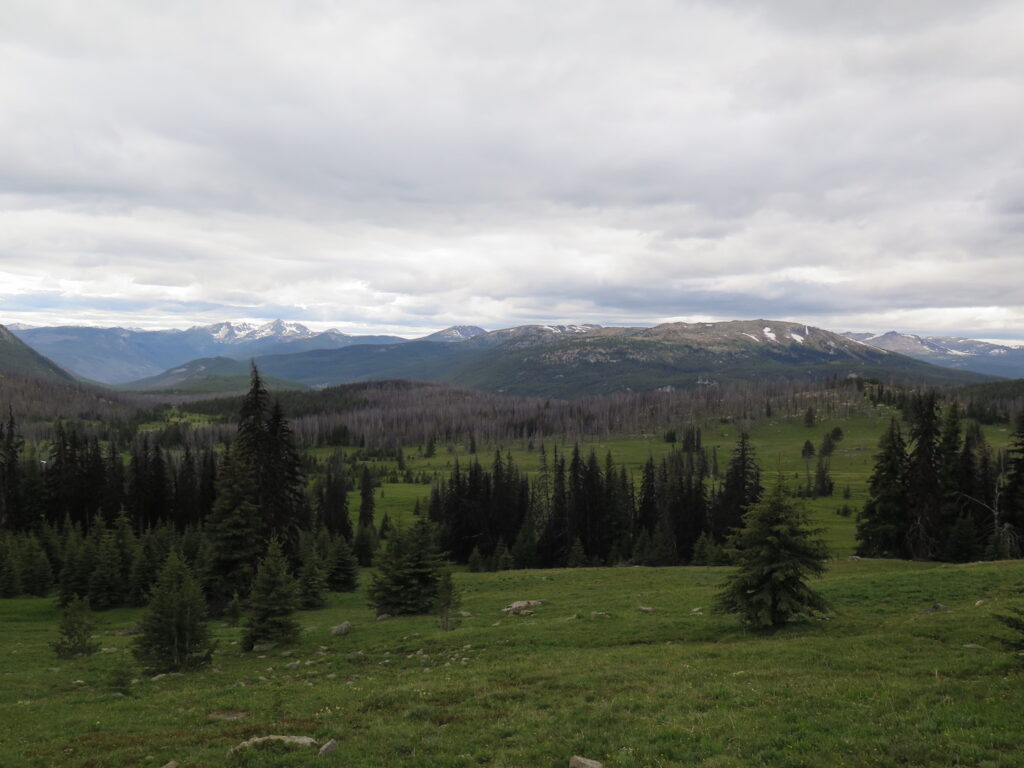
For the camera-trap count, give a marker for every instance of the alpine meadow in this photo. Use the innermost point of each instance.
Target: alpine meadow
(512, 385)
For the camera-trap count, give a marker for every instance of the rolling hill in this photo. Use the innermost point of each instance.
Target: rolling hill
(951, 352)
(208, 375)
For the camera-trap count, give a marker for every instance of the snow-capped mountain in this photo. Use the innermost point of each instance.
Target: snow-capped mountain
(230, 332)
(951, 351)
(456, 333)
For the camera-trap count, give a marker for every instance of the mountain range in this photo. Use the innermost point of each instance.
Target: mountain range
(543, 360)
(951, 352)
(118, 355)
(569, 361)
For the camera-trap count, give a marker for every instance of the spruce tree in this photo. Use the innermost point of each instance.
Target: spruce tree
(408, 570)
(271, 605)
(311, 582)
(342, 573)
(775, 555)
(365, 546)
(476, 561)
(36, 573)
(174, 634)
(107, 585)
(366, 498)
(741, 489)
(76, 627)
(234, 530)
(882, 524)
(10, 573)
(577, 557)
(447, 602)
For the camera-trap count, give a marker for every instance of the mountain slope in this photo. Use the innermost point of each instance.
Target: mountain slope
(951, 352)
(18, 358)
(205, 375)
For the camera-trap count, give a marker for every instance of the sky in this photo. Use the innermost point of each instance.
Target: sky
(404, 165)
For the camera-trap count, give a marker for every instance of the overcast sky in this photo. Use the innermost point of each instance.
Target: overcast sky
(403, 165)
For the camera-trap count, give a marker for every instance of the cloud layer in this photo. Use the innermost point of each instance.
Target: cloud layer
(402, 166)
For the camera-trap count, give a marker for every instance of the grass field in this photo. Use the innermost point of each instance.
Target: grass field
(884, 682)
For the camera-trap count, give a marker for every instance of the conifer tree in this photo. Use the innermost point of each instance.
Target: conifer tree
(475, 562)
(365, 546)
(10, 574)
(447, 602)
(76, 628)
(503, 560)
(311, 582)
(74, 575)
(741, 489)
(342, 574)
(234, 530)
(882, 524)
(577, 557)
(924, 483)
(107, 585)
(366, 498)
(408, 570)
(174, 634)
(775, 555)
(271, 605)
(36, 573)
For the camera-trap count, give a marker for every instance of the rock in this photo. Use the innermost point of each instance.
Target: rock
(171, 764)
(645, 609)
(519, 607)
(582, 762)
(108, 650)
(853, 558)
(465, 614)
(384, 617)
(158, 677)
(327, 748)
(974, 645)
(979, 602)
(293, 665)
(227, 715)
(297, 741)
(78, 682)
(342, 629)
(261, 647)
(697, 611)
(595, 614)
(934, 608)
(356, 656)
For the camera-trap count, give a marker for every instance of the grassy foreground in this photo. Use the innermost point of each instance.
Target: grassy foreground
(884, 682)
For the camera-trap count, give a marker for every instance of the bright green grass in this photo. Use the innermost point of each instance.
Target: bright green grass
(880, 684)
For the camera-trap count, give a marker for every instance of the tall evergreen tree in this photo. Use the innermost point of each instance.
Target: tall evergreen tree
(741, 489)
(408, 571)
(235, 531)
(924, 483)
(367, 501)
(882, 524)
(271, 605)
(174, 634)
(775, 556)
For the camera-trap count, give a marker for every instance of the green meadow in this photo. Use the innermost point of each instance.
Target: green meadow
(885, 681)
(905, 670)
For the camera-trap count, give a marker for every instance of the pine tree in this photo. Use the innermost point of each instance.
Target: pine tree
(271, 605)
(408, 570)
(366, 498)
(74, 575)
(447, 602)
(577, 557)
(882, 524)
(775, 555)
(10, 573)
(342, 574)
(312, 583)
(234, 530)
(36, 573)
(174, 634)
(924, 482)
(475, 562)
(741, 489)
(76, 627)
(107, 585)
(365, 546)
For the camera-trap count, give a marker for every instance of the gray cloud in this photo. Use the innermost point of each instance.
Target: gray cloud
(400, 166)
